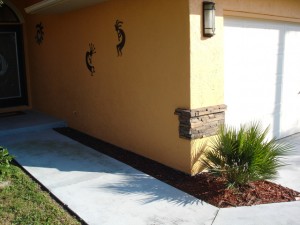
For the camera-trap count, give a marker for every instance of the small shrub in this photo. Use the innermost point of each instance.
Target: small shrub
(244, 155)
(5, 159)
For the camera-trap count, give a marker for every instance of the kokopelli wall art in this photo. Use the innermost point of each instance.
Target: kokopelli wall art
(121, 37)
(88, 58)
(39, 37)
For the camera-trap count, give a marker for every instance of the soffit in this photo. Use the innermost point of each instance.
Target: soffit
(59, 6)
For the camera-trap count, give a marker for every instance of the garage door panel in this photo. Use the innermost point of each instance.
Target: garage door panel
(262, 74)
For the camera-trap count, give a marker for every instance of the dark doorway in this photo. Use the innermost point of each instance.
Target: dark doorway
(13, 87)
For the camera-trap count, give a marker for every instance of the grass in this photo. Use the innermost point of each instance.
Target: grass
(22, 201)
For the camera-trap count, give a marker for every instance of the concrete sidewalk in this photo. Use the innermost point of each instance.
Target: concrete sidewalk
(102, 190)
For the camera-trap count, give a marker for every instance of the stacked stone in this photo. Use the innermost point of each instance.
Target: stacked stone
(200, 123)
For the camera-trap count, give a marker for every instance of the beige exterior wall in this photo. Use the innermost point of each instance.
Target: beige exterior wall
(207, 54)
(130, 100)
(206, 60)
(166, 64)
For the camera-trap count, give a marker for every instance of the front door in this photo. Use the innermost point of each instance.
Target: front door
(13, 91)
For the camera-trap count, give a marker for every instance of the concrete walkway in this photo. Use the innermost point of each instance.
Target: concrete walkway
(104, 191)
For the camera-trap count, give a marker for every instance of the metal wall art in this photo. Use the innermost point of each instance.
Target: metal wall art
(39, 37)
(121, 37)
(88, 58)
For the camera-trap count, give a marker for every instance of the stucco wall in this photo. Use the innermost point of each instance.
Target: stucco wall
(166, 64)
(130, 100)
(207, 54)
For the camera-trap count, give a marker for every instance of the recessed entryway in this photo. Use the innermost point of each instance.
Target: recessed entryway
(13, 88)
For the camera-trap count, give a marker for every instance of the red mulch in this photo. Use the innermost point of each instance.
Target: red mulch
(213, 190)
(203, 186)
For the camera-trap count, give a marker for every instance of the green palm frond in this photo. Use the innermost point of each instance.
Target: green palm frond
(244, 155)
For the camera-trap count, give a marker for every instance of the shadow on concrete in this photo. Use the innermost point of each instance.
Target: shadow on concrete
(141, 184)
(58, 161)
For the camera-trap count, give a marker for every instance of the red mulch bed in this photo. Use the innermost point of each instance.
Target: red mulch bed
(213, 190)
(204, 186)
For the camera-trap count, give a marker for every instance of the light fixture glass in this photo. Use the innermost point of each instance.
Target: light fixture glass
(208, 19)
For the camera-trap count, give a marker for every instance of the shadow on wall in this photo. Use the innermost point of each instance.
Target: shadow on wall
(198, 148)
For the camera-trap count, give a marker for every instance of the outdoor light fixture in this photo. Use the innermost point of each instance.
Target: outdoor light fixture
(208, 19)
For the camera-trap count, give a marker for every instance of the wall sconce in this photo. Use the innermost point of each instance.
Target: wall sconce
(209, 19)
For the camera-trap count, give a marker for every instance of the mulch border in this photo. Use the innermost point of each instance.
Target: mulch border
(203, 186)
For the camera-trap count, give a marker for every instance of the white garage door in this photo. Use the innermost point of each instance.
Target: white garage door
(262, 74)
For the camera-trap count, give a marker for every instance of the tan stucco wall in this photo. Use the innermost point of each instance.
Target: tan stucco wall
(166, 64)
(130, 100)
(207, 54)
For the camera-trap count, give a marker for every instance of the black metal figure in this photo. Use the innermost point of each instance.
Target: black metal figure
(39, 37)
(88, 58)
(121, 37)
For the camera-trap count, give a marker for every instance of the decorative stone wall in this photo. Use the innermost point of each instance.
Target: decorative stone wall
(200, 123)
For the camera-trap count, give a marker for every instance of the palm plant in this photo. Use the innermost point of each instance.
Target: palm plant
(244, 155)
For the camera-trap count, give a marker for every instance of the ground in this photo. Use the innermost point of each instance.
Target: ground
(203, 186)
